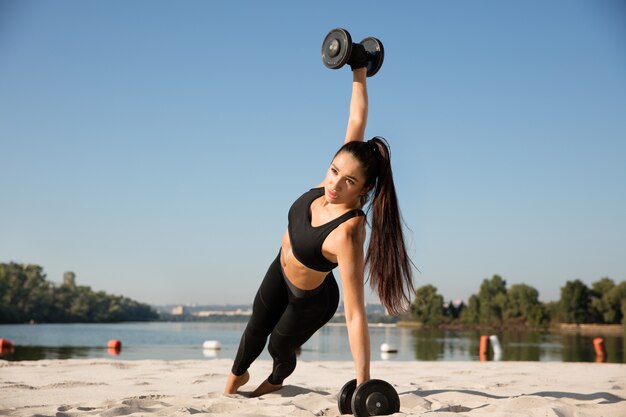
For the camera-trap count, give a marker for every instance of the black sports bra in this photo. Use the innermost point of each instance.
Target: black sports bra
(307, 240)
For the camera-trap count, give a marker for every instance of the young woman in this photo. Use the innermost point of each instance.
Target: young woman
(326, 229)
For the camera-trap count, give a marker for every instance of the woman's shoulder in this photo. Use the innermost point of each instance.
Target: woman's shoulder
(352, 229)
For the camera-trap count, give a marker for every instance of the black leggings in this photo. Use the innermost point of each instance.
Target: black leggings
(289, 319)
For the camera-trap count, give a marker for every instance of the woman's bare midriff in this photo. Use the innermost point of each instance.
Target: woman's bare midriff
(299, 275)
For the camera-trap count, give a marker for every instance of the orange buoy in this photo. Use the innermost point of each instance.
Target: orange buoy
(484, 348)
(114, 344)
(598, 345)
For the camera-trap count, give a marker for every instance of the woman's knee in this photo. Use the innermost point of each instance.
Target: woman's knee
(280, 347)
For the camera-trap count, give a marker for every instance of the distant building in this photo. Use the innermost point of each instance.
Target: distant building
(236, 312)
(179, 311)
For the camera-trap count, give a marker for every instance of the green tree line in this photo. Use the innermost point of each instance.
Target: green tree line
(495, 305)
(26, 295)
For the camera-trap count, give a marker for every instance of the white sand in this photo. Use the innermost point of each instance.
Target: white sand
(84, 387)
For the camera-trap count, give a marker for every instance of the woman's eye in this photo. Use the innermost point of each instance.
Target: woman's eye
(350, 182)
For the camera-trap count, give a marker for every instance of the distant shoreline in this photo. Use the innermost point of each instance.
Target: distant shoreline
(589, 328)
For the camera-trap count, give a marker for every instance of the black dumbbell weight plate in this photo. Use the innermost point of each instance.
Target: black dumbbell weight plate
(375, 398)
(345, 397)
(336, 48)
(376, 51)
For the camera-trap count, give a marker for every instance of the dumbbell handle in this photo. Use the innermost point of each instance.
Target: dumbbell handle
(358, 57)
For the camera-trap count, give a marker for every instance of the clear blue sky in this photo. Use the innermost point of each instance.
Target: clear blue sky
(154, 147)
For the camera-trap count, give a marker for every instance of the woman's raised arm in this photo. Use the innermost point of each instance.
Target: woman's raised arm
(358, 106)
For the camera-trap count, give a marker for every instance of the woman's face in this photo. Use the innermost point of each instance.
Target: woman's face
(345, 182)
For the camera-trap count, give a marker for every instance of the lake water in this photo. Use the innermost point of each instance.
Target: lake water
(177, 341)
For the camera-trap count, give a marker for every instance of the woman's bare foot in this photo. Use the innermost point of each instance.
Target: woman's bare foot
(234, 382)
(265, 388)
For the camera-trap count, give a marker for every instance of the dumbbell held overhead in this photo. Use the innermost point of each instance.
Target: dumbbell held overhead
(337, 49)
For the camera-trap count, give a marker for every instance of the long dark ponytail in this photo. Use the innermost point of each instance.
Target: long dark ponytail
(391, 275)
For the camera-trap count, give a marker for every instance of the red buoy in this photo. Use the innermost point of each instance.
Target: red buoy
(6, 347)
(6, 344)
(114, 352)
(114, 344)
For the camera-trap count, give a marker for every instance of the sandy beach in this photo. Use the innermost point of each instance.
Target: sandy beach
(87, 387)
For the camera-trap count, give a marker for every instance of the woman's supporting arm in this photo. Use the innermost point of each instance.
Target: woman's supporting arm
(351, 267)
